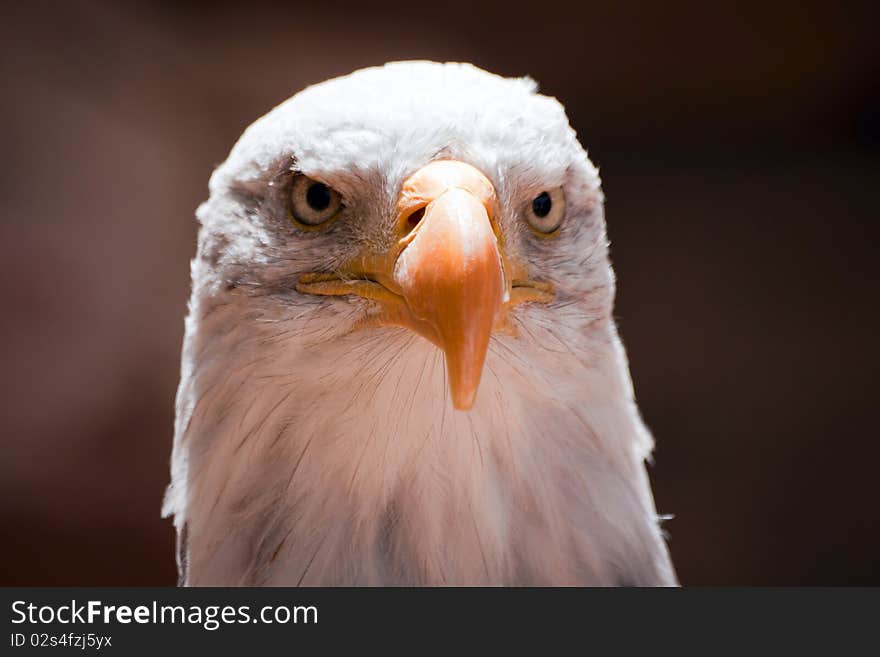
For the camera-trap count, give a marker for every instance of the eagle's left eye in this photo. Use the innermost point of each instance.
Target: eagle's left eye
(312, 203)
(546, 211)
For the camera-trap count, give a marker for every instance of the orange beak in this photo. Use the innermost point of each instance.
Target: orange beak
(450, 275)
(444, 277)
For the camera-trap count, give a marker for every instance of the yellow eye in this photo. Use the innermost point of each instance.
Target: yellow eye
(546, 211)
(312, 203)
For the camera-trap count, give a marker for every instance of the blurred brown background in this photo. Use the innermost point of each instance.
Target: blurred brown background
(740, 152)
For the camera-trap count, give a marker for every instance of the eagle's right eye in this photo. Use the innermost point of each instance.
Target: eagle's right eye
(313, 203)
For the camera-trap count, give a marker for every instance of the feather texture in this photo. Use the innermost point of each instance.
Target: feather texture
(311, 451)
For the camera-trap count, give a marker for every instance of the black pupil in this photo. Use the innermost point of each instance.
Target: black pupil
(542, 204)
(318, 196)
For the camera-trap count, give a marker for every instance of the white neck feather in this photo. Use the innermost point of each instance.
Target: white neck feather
(344, 463)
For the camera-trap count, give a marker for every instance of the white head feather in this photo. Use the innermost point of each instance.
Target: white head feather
(308, 451)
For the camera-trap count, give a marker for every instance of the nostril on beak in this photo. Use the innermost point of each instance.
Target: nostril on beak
(413, 219)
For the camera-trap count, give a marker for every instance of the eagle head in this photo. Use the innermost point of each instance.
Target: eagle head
(400, 363)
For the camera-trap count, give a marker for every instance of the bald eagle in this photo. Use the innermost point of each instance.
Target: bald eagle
(400, 365)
